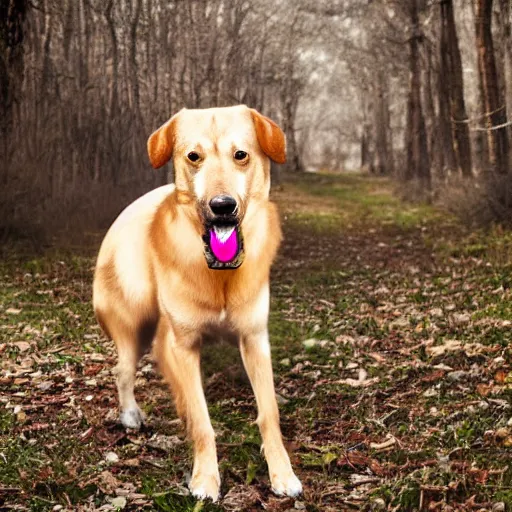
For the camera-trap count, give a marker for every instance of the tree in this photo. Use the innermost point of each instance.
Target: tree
(452, 74)
(12, 17)
(418, 161)
(494, 105)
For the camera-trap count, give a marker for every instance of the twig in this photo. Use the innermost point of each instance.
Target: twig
(492, 128)
(369, 480)
(383, 446)
(473, 119)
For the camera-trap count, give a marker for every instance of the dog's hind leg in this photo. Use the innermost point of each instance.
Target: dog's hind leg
(131, 416)
(179, 360)
(130, 348)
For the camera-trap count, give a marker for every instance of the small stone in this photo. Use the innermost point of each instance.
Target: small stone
(91, 382)
(119, 502)
(69, 380)
(310, 343)
(285, 362)
(461, 318)
(299, 505)
(111, 457)
(456, 376)
(57, 508)
(88, 398)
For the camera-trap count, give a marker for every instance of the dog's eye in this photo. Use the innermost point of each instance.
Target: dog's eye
(193, 156)
(240, 155)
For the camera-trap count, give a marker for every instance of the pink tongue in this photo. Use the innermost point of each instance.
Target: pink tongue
(224, 251)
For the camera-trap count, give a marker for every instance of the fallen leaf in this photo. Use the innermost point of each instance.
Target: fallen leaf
(448, 346)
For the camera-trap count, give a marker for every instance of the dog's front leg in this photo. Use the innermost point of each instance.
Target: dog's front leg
(255, 350)
(180, 363)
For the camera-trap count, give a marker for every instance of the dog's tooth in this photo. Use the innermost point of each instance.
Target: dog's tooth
(223, 232)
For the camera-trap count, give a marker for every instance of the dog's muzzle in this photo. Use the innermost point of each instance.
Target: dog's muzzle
(223, 240)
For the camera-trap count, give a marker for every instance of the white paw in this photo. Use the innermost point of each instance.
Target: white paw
(288, 485)
(132, 418)
(203, 487)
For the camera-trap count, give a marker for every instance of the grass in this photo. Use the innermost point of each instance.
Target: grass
(374, 282)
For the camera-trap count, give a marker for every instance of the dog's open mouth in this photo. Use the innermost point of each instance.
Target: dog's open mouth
(223, 246)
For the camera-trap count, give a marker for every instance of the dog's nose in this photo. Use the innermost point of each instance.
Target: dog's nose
(223, 205)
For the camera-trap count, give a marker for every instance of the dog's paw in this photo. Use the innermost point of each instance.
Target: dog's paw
(205, 486)
(286, 485)
(132, 418)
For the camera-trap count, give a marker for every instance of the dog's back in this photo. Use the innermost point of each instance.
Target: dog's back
(124, 289)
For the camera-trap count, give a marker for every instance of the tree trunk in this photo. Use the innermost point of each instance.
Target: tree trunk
(418, 164)
(459, 115)
(134, 69)
(447, 161)
(428, 99)
(495, 109)
(504, 18)
(384, 158)
(115, 59)
(12, 16)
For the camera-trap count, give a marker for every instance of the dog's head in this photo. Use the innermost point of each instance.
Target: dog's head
(221, 164)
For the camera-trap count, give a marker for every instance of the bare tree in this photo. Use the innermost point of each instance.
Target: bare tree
(418, 160)
(452, 73)
(495, 108)
(12, 17)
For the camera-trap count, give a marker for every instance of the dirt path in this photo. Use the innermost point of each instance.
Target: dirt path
(391, 331)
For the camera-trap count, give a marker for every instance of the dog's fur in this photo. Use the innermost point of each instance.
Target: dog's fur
(153, 287)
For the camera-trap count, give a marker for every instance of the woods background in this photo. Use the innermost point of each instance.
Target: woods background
(414, 89)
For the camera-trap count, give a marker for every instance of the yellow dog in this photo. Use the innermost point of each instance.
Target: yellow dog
(191, 259)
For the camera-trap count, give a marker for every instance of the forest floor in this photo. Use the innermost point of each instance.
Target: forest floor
(391, 329)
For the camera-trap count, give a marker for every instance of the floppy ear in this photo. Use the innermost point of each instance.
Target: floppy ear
(161, 143)
(270, 137)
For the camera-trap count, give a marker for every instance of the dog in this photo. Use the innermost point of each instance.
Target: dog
(189, 259)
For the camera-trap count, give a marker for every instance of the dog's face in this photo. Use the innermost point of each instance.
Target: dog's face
(221, 162)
